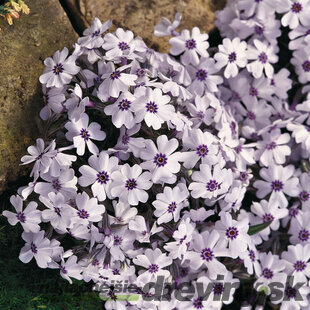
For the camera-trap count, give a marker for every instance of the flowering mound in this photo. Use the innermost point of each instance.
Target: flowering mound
(178, 181)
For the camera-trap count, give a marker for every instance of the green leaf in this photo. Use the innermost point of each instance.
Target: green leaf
(257, 228)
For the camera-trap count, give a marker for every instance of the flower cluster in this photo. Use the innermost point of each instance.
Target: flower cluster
(191, 167)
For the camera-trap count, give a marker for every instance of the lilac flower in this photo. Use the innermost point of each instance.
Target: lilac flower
(304, 191)
(250, 260)
(120, 44)
(114, 81)
(232, 54)
(59, 70)
(235, 233)
(122, 111)
(281, 83)
(64, 184)
(278, 181)
(298, 37)
(301, 62)
(153, 261)
(169, 203)
(204, 250)
(295, 12)
(88, 210)
(153, 107)
(262, 54)
(54, 99)
(36, 246)
(81, 133)
(210, 184)
(300, 232)
(301, 134)
(161, 161)
(191, 45)
(29, 218)
(129, 184)
(70, 268)
(123, 213)
(259, 8)
(92, 37)
(166, 28)
(204, 78)
(98, 174)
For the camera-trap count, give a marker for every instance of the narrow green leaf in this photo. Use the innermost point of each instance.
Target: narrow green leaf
(257, 228)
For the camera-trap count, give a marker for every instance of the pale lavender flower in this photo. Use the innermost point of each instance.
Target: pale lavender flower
(191, 44)
(29, 218)
(301, 62)
(165, 28)
(70, 268)
(59, 70)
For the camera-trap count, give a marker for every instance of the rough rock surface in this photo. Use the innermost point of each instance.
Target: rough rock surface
(141, 16)
(23, 48)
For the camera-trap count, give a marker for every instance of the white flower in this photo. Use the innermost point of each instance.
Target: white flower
(263, 55)
(169, 203)
(129, 184)
(165, 28)
(301, 62)
(70, 268)
(153, 107)
(29, 218)
(232, 54)
(161, 161)
(191, 45)
(59, 70)
(98, 174)
(210, 184)
(81, 133)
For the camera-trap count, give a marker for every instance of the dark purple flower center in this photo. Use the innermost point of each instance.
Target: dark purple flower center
(304, 196)
(112, 295)
(201, 75)
(21, 217)
(33, 248)
(253, 91)
(117, 240)
(243, 176)
(267, 273)
(125, 139)
(207, 254)
(303, 235)
(259, 30)
(197, 303)
(232, 233)
(160, 159)
(172, 207)
(252, 255)
(123, 46)
(116, 272)
(300, 265)
(296, 7)
(153, 268)
(57, 211)
(251, 115)
(83, 214)
(56, 185)
(290, 292)
(190, 44)
(63, 269)
(58, 68)
(95, 33)
(270, 146)
(140, 72)
(218, 289)
(115, 75)
(84, 134)
(235, 96)
(262, 57)
(183, 239)
(151, 107)
(124, 105)
(103, 177)
(268, 217)
(212, 185)
(276, 185)
(95, 262)
(293, 212)
(232, 57)
(131, 184)
(184, 272)
(202, 150)
(306, 66)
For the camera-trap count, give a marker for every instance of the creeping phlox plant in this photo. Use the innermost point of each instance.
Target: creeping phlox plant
(182, 179)
(10, 9)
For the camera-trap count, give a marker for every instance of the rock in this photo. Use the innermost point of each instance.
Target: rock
(23, 48)
(141, 16)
